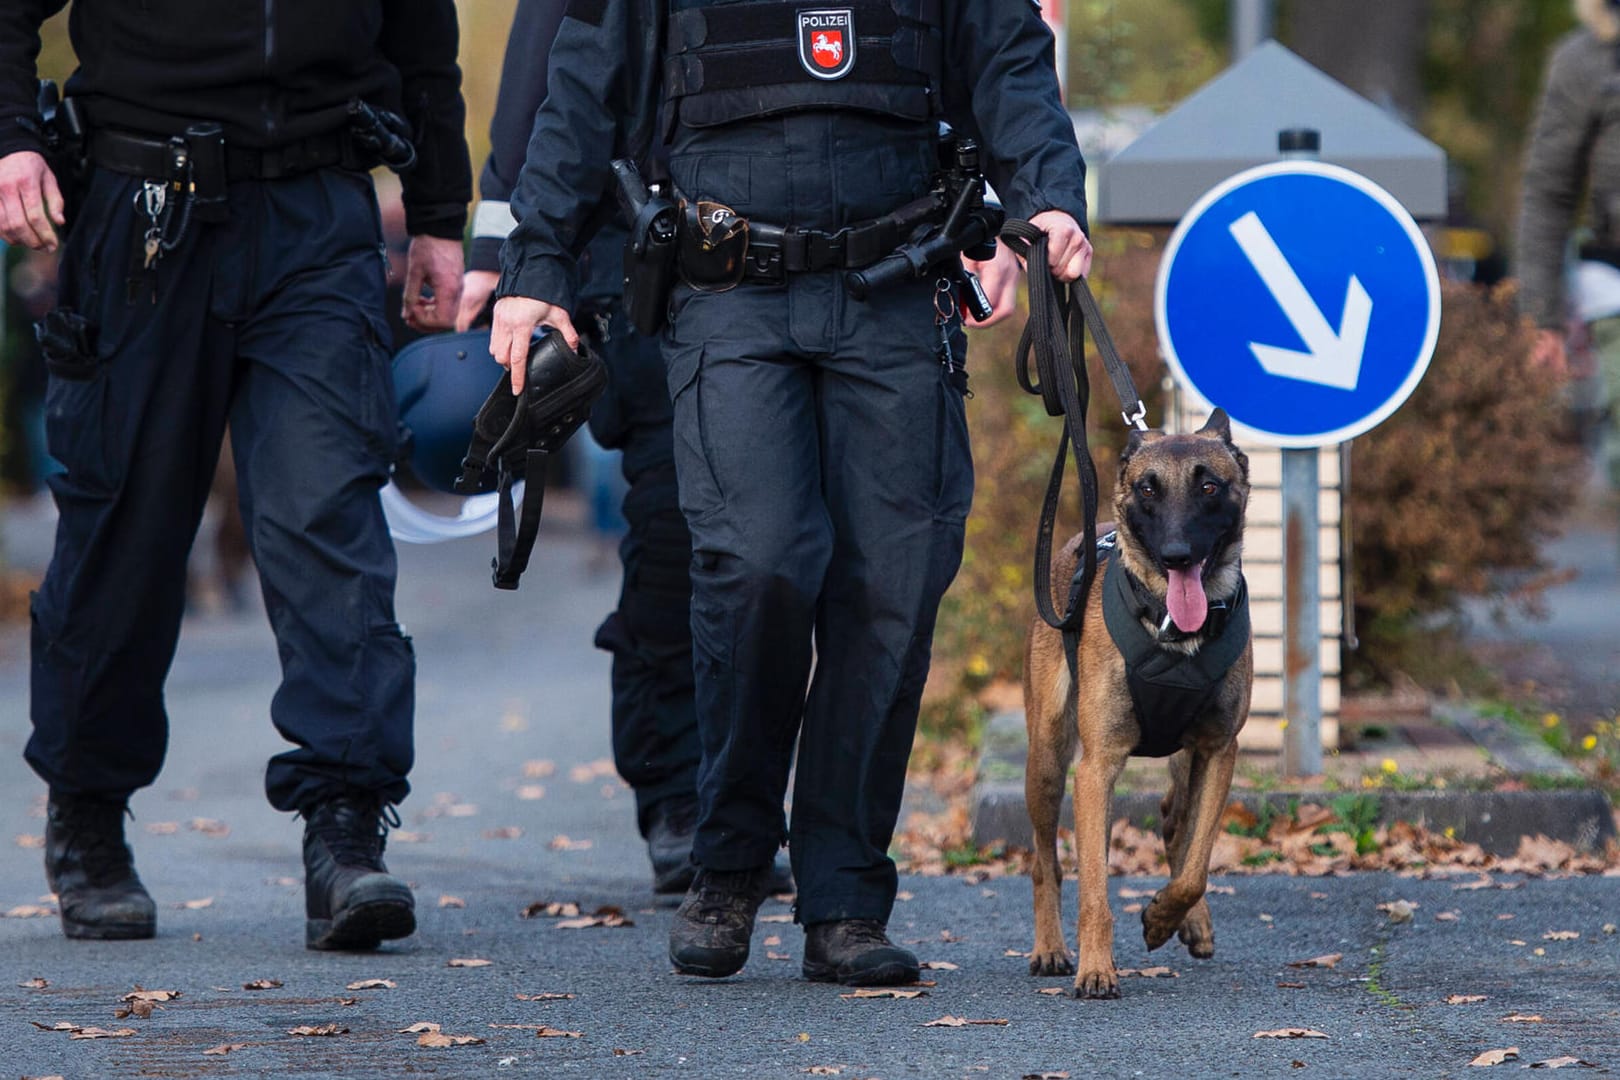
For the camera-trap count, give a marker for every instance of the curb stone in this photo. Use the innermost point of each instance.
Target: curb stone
(1495, 820)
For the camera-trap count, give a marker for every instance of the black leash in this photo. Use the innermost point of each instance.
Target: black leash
(1055, 336)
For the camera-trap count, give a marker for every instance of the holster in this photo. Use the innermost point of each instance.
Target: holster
(512, 434)
(649, 250)
(60, 127)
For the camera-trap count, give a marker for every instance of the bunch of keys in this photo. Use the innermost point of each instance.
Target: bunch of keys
(151, 199)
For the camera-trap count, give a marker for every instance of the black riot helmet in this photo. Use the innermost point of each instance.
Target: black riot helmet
(512, 434)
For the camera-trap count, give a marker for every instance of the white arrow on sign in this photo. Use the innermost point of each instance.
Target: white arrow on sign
(1331, 358)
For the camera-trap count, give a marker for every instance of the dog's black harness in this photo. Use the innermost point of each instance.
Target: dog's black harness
(1169, 688)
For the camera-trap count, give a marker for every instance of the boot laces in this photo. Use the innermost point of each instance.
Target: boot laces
(96, 833)
(355, 830)
(865, 932)
(727, 893)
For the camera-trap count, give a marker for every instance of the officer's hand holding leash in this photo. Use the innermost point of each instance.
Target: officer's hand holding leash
(1068, 251)
(30, 201)
(432, 283)
(516, 320)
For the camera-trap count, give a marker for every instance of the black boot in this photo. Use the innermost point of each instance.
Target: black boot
(92, 872)
(669, 844)
(715, 921)
(350, 898)
(856, 952)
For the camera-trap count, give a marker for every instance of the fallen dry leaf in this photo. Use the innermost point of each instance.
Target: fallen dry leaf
(1523, 1018)
(539, 770)
(419, 1027)
(1496, 1057)
(885, 992)
(225, 1048)
(195, 905)
(1464, 999)
(318, 1030)
(1221, 890)
(29, 840)
(262, 984)
(468, 962)
(348, 1001)
(162, 828)
(776, 918)
(140, 994)
(824, 1070)
(550, 909)
(28, 911)
(1291, 1033)
(1046, 1076)
(1448, 916)
(1131, 909)
(607, 915)
(599, 769)
(1399, 911)
(101, 1033)
(531, 792)
(777, 956)
(1148, 973)
(1560, 935)
(505, 832)
(1052, 991)
(557, 1033)
(209, 827)
(371, 984)
(1290, 986)
(1329, 961)
(405, 836)
(34, 984)
(563, 843)
(1562, 1063)
(626, 1053)
(1135, 894)
(962, 1021)
(435, 1040)
(1470, 886)
(1609, 928)
(544, 997)
(141, 1010)
(448, 901)
(938, 965)
(903, 895)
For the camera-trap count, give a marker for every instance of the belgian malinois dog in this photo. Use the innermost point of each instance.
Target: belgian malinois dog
(1180, 603)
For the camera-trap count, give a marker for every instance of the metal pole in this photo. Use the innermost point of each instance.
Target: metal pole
(1251, 25)
(1302, 568)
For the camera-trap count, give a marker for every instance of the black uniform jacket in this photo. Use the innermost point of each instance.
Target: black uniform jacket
(605, 75)
(270, 73)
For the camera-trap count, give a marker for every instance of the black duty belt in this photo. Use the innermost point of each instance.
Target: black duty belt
(156, 158)
(775, 251)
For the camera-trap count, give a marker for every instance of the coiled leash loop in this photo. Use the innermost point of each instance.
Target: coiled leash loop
(1054, 337)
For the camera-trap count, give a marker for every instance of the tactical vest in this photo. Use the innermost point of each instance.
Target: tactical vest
(742, 59)
(1169, 688)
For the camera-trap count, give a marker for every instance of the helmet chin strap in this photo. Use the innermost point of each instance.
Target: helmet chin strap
(410, 524)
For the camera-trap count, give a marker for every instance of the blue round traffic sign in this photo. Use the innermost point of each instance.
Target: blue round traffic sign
(1301, 298)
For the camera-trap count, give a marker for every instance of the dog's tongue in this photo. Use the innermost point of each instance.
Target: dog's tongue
(1186, 601)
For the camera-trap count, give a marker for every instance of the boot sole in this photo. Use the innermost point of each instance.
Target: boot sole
(81, 931)
(891, 974)
(708, 969)
(362, 927)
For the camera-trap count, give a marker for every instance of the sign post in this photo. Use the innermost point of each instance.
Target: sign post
(1303, 299)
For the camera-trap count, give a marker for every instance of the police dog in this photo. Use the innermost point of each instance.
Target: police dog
(1179, 505)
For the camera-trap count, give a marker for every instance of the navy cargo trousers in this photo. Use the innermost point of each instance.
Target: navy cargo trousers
(272, 321)
(822, 452)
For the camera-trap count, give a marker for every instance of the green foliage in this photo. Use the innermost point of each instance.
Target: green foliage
(1357, 817)
(1139, 52)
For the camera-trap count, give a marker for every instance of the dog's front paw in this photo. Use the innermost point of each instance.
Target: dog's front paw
(1057, 961)
(1197, 933)
(1160, 922)
(1097, 984)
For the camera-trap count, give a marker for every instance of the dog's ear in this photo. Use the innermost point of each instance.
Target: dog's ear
(1133, 443)
(1218, 424)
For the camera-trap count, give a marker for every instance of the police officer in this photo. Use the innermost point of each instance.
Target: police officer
(821, 446)
(655, 740)
(224, 263)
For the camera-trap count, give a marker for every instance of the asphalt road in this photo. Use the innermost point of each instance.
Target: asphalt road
(509, 683)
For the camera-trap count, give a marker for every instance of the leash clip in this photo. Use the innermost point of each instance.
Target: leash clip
(1138, 419)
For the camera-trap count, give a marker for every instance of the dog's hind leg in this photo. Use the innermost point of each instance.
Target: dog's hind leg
(1208, 782)
(1197, 931)
(1049, 715)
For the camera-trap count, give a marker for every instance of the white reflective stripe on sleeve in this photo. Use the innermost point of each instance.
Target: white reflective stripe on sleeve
(493, 219)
